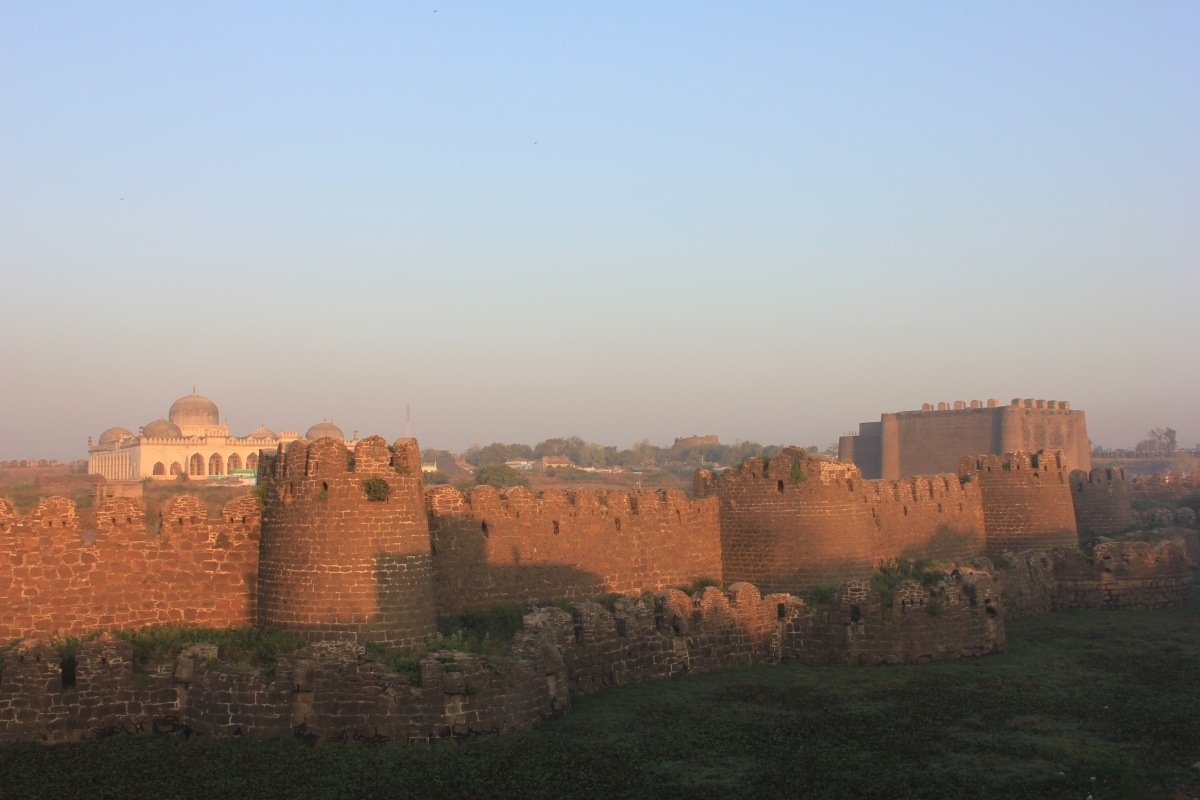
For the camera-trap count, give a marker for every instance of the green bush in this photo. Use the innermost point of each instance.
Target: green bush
(822, 594)
(499, 476)
(260, 647)
(797, 472)
(893, 572)
(699, 585)
(377, 489)
(403, 662)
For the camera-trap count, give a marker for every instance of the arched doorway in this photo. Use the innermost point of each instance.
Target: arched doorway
(160, 468)
(196, 465)
(235, 462)
(216, 465)
(176, 468)
(252, 461)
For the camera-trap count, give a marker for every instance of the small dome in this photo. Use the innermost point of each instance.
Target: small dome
(322, 429)
(115, 435)
(162, 429)
(262, 432)
(194, 409)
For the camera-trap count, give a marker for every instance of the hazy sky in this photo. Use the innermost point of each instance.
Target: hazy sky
(617, 220)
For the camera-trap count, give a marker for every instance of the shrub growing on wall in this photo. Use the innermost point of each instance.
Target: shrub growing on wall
(377, 489)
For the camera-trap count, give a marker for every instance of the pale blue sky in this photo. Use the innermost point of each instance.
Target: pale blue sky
(617, 220)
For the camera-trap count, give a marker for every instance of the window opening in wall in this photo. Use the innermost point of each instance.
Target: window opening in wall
(779, 487)
(556, 527)
(855, 613)
(68, 665)
(906, 511)
(483, 526)
(617, 523)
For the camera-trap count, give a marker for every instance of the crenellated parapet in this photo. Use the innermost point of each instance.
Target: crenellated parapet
(1026, 499)
(797, 520)
(1101, 500)
(345, 549)
(61, 576)
(517, 546)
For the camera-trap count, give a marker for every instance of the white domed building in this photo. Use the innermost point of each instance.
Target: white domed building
(190, 441)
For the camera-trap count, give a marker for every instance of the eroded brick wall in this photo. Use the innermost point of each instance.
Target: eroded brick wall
(515, 546)
(335, 563)
(797, 521)
(59, 579)
(1101, 500)
(1026, 500)
(958, 619)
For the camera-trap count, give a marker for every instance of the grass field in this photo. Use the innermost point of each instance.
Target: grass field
(1105, 704)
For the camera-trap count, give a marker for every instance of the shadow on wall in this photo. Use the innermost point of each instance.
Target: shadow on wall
(946, 544)
(465, 578)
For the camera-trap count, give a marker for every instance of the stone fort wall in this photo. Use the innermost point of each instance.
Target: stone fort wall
(932, 440)
(348, 552)
(1102, 502)
(1026, 500)
(796, 521)
(516, 546)
(334, 691)
(58, 578)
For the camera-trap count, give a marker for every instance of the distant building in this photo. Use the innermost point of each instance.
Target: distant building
(684, 442)
(190, 441)
(519, 464)
(933, 440)
(557, 462)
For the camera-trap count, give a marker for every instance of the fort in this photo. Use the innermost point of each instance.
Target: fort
(933, 439)
(344, 546)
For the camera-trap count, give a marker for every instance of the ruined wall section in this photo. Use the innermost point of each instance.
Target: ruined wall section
(958, 619)
(492, 547)
(1118, 575)
(797, 521)
(1026, 500)
(1102, 502)
(336, 563)
(58, 578)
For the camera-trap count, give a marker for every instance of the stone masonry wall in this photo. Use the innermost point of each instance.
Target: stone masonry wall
(1102, 502)
(958, 619)
(335, 563)
(1026, 500)
(797, 521)
(331, 690)
(59, 579)
(492, 548)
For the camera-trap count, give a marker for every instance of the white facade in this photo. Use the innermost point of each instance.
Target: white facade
(192, 442)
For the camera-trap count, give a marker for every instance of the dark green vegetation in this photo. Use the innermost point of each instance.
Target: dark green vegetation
(499, 476)
(376, 489)
(1099, 703)
(893, 572)
(249, 646)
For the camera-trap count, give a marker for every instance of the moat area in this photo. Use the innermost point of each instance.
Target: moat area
(1081, 702)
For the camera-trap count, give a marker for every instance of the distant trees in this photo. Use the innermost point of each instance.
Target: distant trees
(642, 456)
(497, 453)
(1158, 441)
(499, 476)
